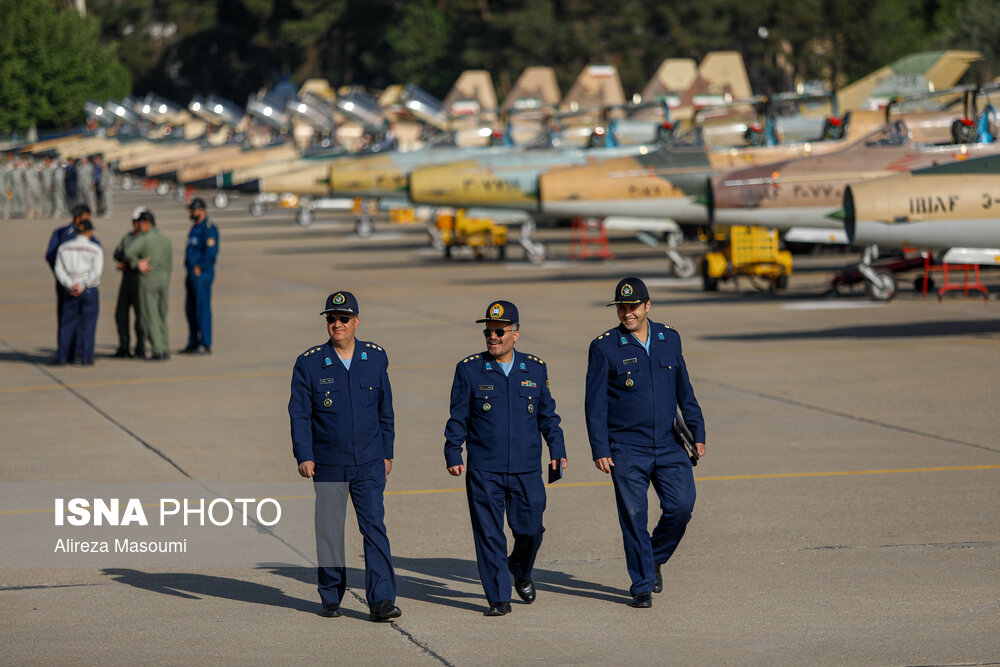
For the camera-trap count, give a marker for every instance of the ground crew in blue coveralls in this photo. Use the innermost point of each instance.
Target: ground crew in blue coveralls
(199, 260)
(636, 380)
(500, 408)
(342, 437)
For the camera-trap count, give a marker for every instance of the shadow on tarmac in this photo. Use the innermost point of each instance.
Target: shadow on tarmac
(901, 330)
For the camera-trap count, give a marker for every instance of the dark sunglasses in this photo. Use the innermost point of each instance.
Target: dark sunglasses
(344, 319)
(499, 332)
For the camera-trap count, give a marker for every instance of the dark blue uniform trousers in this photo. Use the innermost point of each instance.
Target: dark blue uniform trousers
(77, 326)
(668, 468)
(365, 483)
(522, 495)
(198, 308)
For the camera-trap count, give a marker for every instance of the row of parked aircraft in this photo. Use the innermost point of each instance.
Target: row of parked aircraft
(900, 158)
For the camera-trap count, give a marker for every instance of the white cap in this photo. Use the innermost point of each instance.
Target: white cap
(137, 211)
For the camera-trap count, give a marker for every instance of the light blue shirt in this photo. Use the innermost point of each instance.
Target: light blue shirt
(506, 368)
(646, 344)
(346, 362)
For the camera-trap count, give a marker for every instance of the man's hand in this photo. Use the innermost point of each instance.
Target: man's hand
(554, 461)
(143, 265)
(700, 448)
(456, 471)
(388, 467)
(307, 468)
(197, 270)
(119, 266)
(606, 464)
(76, 290)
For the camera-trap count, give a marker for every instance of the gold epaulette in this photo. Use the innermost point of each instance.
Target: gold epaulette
(468, 359)
(311, 350)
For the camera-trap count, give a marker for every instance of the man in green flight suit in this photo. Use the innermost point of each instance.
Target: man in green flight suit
(128, 294)
(152, 255)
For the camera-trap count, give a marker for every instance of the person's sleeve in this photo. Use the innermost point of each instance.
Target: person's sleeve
(210, 248)
(300, 413)
(596, 402)
(62, 272)
(386, 419)
(119, 254)
(686, 399)
(548, 420)
(50, 252)
(457, 428)
(133, 253)
(93, 278)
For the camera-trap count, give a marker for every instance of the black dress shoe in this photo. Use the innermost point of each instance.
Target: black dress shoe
(642, 601)
(122, 353)
(138, 354)
(331, 611)
(159, 357)
(384, 610)
(498, 609)
(525, 588)
(203, 349)
(658, 584)
(190, 349)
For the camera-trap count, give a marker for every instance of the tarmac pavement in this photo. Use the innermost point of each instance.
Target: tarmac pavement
(848, 507)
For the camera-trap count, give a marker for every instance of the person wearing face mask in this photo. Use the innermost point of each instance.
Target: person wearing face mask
(342, 438)
(199, 260)
(636, 380)
(500, 409)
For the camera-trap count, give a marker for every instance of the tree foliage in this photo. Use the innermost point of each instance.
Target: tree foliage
(51, 62)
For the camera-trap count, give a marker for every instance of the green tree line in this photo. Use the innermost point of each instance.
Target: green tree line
(178, 48)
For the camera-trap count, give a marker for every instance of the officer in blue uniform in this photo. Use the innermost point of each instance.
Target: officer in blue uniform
(636, 380)
(342, 437)
(500, 408)
(59, 236)
(199, 260)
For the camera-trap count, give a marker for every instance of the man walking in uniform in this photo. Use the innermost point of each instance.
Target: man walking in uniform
(152, 256)
(500, 408)
(342, 437)
(78, 267)
(636, 380)
(199, 260)
(128, 293)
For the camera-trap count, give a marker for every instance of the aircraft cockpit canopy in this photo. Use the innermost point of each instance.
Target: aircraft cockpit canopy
(893, 134)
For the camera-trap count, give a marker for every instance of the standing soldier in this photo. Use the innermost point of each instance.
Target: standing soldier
(500, 408)
(85, 184)
(152, 255)
(59, 203)
(636, 379)
(199, 260)
(6, 184)
(79, 263)
(59, 236)
(33, 193)
(17, 203)
(102, 186)
(128, 293)
(70, 178)
(342, 436)
(47, 172)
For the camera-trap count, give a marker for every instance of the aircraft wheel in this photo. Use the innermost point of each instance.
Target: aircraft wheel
(257, 209)
(884, 290)
(162, 189)
(781, 282)
(364, 227)
(685, 268)
(537, 254)
(918, 284)
(127, 182)
(221, 200)
(179, 194)
(304, 217)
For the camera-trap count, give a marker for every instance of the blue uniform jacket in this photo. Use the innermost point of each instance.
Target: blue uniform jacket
(501, 419)
(202, 247)
(341, 417)
(632, 397)
(59, 236)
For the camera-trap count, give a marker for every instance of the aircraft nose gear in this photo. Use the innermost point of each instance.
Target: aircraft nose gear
(880, 285)
(535, 251)
(683, 266)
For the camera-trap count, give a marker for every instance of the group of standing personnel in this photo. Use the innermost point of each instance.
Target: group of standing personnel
(501, 407)
(144, 255)
(32, 188)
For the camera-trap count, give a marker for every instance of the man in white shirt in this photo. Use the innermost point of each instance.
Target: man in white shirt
(78, 266)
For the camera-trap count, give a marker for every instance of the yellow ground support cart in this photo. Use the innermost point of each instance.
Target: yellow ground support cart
(457, 229)
(751, 252)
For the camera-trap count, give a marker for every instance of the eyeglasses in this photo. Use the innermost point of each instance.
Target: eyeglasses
(344, 319)
(499, 332)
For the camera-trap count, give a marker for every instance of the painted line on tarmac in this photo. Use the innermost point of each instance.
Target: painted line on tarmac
(844, 415)
(829, 304)
(179, 378)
